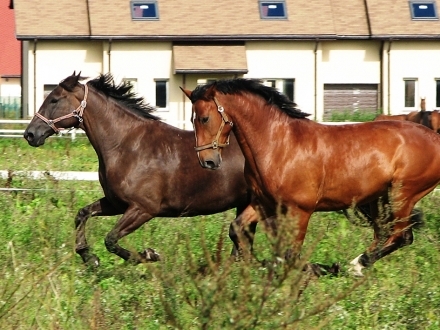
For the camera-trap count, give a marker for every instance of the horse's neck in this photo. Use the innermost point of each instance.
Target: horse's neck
(257, 130)
(105, 122)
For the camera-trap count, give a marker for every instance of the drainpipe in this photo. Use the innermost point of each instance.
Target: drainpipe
(184, 99)
(34, 52)
(381, 82)
(315, 51)
(109, 51)
(389, 78)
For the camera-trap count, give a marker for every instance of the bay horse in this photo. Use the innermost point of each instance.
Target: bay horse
(430, 119)
(147, 168)
(296, 166)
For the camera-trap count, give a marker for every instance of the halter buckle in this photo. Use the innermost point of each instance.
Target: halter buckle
(83, 104)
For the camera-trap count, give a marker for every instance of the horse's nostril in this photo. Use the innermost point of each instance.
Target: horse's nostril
(28, 136)
(210, 164)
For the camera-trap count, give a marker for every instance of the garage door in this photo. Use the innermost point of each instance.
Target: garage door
(349, 98)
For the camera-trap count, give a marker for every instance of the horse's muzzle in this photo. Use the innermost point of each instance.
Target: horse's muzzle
(34, 140)
(212, 162)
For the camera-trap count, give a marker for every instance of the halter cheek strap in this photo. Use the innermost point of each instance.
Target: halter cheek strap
(215, 143)
(77, 113)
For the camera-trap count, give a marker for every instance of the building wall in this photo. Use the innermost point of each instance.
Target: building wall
(419, 60)
(312, 65)
(285, 60)
(50, 62)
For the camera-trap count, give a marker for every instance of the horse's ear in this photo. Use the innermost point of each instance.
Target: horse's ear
(70, 82)
(210, 92)
(187, 92)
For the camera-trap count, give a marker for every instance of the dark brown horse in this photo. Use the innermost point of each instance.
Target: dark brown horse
(147, 168)
(297, 166)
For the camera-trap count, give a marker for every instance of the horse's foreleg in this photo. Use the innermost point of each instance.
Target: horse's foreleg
(298, 223)
(244, 225)
(101, 207)
(131, 220)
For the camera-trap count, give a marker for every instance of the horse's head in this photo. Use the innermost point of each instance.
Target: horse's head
(211, 127)
(62, 108)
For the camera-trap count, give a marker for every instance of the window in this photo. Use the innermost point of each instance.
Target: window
(132, 82)
(161, 93)
(285, 86)
(410, 93)
(48, 89)
(423, 10)
(144, 10)
(273, 9)
(437, 94)
(205, 81)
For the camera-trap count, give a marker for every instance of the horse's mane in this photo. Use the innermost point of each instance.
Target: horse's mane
(124, 95)
(254, 86)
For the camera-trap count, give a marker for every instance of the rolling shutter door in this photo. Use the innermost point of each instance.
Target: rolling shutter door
(349, 98)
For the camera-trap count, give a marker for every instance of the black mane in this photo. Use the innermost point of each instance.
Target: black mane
(124, 94)
(254, 86)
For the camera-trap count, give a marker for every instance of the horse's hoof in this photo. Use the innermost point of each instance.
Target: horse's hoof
(356, 268)
(321, 270)
(150, 255)
(92, 261)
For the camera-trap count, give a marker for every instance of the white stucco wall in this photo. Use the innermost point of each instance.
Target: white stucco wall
(419, 60)
(336, 62)
(56, 60)
(285, 60)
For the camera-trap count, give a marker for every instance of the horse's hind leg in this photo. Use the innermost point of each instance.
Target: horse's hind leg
(132, 219)
(389, 236)
(101, 207)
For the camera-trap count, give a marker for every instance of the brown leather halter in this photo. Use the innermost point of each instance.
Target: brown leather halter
(77, 113)
(215, 143)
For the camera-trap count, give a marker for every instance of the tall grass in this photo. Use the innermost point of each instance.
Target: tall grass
(44, 284)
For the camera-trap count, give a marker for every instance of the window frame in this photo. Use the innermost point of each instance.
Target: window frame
(133, 82)
(134, 3)
(405, 96)
(280, 85)
(437, 95)
(412, 3)
(166, 81)
(266, 17)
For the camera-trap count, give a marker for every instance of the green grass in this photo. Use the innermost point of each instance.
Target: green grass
(352, 116)
(44, 285)
(57, 154)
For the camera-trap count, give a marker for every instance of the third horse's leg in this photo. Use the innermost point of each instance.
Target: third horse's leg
(243, 226)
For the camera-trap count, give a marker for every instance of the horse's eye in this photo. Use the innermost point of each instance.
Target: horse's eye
(53, 101)
(204, 120)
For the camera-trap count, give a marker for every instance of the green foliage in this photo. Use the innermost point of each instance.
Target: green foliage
(352, 116)
(44, 284)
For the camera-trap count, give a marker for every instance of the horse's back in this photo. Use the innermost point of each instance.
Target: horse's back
(390, 117)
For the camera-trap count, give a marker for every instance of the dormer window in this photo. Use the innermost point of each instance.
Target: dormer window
(144, 10)
(423, 10)
(273, 9)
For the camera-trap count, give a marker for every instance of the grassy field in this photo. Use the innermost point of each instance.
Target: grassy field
(44, 285)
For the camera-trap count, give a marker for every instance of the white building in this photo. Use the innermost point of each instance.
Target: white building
(328, 55)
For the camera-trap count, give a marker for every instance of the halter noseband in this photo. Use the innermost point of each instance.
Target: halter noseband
(215, 144)
(77, 113)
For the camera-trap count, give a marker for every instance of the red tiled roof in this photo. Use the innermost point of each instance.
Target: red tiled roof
(10, 48)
